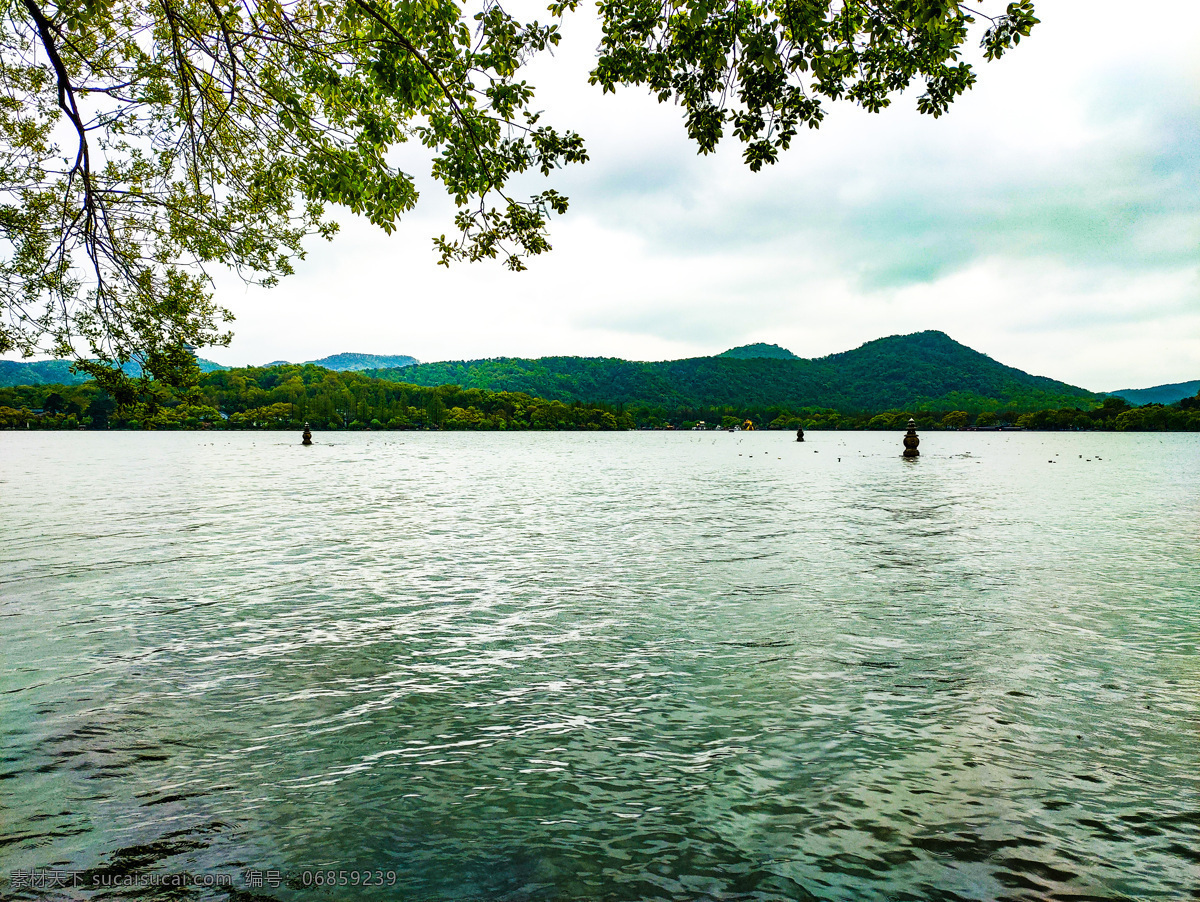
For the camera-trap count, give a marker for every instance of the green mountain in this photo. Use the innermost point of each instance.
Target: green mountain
(922, 371)
(58, 372)
(759, 350)
(287, 397)
(1159, 394)
(925, 370)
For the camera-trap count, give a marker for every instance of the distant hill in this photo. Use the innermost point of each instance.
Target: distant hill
(759, 351)
(922, 370)
(349, 362)
(355, 362)
(58, 372)
(1159, 394)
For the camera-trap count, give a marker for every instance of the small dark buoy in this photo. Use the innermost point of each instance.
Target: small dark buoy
(910, 440)
(800, 434)
(307, 438)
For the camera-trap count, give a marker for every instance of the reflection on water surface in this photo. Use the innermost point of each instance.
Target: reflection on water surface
(620, 666)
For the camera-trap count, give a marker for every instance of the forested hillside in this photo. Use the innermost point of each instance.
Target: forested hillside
(287, 397)
(926, 370)
(928, 376)
(910, 369)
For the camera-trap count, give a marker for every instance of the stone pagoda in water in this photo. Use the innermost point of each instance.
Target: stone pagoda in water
(911, 440)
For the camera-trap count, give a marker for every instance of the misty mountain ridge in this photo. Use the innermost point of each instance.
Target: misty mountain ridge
(1159, 394)
(349, 361)
(58, 372)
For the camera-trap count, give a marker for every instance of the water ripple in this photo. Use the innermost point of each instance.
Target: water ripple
(577, 666)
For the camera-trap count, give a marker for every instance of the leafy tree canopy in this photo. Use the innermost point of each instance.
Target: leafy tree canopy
(143, 141)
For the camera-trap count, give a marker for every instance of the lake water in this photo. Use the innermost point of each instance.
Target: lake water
(621, 666)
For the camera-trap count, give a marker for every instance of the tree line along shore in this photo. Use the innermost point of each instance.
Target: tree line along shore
(287, 397)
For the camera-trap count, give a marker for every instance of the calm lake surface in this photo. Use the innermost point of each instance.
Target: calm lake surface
(601, 666)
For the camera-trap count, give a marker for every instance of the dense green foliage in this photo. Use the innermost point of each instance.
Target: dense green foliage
(145, 141)
(759, 349)
(1113, 415)
(923, 371)
(286, 397)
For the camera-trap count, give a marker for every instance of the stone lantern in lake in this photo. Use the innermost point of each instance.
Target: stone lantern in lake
(910, 440)
(306, 438)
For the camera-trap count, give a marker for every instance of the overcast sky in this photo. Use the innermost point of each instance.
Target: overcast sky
(1051, 220)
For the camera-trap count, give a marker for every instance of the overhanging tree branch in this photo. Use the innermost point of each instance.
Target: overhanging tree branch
(220, 134)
